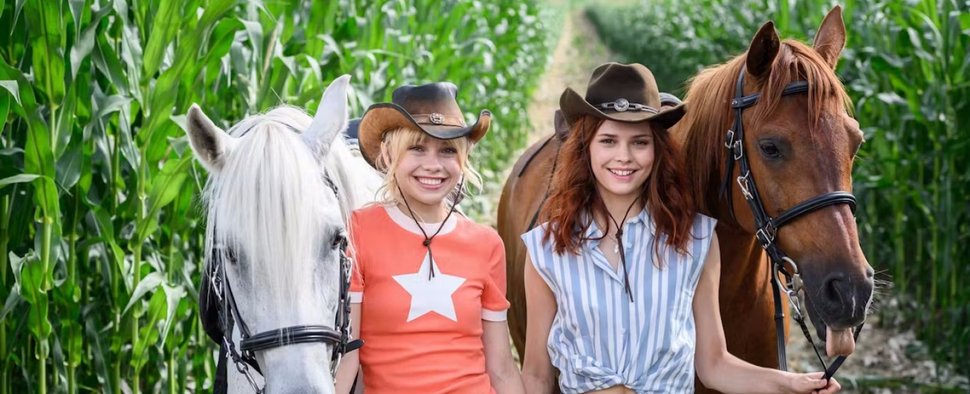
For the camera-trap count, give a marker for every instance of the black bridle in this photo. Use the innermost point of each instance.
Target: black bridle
(766, 227)
(229, 317)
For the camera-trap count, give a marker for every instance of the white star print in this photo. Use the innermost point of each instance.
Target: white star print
(430, 295)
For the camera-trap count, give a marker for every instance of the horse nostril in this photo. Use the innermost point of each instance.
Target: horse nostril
(836, 287)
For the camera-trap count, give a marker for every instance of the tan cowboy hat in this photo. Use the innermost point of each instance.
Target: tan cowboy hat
(430, 108)
(621, 92)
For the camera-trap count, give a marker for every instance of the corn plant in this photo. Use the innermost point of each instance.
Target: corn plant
(100, 232)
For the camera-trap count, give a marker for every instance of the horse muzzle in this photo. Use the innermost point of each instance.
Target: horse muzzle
(838, 304)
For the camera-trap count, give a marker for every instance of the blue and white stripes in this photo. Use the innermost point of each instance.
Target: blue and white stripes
(599, 338)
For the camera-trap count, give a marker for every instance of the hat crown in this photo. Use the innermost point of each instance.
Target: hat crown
(433, 98)
(634, 83)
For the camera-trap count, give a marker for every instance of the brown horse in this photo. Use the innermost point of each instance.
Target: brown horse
(799, 146)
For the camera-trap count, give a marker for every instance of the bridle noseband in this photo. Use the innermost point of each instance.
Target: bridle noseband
(245, 357)
(766, 227)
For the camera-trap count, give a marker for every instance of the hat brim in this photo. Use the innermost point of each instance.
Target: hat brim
(383, 117)
(574, 106)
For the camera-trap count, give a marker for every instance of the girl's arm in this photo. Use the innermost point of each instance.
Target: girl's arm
(537, 371)
(350, 362)
(498, 358)
(722, 371)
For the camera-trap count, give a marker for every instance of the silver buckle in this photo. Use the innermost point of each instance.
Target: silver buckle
(737, 150)
(743, 183)
(436, 118)
(767, 234)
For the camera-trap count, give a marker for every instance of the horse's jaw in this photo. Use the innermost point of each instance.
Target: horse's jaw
(300, 368)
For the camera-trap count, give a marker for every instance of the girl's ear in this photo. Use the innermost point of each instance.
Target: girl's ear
(385, 158)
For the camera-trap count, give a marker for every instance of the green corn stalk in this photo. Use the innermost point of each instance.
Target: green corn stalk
(98, 126)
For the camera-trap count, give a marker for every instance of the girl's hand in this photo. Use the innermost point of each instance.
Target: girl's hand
(812, 383)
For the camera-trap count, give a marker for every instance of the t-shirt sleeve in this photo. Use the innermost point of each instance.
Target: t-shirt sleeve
(357, 260)
(494, 304)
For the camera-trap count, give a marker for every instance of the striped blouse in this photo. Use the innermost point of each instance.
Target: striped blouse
(599, 338)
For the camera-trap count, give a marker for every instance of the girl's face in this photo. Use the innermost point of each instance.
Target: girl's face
(427, 171)
(621, 156)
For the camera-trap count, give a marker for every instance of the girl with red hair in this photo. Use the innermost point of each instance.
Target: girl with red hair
(622, 278)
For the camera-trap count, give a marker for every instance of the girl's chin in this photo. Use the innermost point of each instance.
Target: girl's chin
(622, 190)
(426, 197)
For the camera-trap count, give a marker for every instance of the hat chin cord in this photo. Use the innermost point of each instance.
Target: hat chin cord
(427, 239)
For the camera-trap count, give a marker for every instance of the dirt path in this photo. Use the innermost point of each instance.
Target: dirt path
(888, 359)
(578, 52)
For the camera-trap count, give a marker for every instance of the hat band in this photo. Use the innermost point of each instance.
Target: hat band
(624, 105)
(436, 119)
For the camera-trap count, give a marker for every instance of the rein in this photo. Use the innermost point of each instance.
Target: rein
(767, 227)
(245, 357)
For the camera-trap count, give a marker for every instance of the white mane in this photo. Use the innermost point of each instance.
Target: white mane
(272, 205)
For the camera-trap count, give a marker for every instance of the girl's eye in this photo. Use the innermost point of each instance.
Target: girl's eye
(642, 142)
(607, 141)
(449, 151)
(416, 148)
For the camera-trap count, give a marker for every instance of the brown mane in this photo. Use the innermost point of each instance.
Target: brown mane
(710, 116)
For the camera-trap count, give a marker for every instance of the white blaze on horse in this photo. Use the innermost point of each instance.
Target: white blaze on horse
(280, 188)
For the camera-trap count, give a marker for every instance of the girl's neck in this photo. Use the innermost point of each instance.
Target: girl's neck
(422, 212)
(618, 207)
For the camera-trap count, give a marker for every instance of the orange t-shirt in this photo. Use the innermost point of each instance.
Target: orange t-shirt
(424, 335)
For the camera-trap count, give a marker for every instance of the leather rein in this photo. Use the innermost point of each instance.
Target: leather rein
(766, 227)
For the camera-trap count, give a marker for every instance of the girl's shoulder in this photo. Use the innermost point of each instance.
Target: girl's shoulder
(477, 231)
(703, 226)
(369, 215)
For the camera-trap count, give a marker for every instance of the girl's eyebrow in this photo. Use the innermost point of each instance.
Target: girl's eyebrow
(644, 135)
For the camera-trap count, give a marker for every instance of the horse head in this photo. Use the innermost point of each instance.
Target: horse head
(799, 144)
(275, 232)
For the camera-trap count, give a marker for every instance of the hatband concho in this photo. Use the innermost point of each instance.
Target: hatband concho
(624, 105)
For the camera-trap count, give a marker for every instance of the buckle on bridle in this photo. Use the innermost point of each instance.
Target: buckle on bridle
(743, 184)
(737, 150)
(766, 235)
(729, 139)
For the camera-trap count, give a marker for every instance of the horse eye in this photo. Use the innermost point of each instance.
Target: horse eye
(339, 240)
(770, 150)
(231, 256)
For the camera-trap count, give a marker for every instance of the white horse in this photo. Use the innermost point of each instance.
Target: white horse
(280, 188)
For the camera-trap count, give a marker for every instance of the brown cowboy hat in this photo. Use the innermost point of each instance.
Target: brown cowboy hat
(621, 92)
(430, 108)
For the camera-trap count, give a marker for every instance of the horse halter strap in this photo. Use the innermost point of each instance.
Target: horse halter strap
(766, 227)
(245, 357)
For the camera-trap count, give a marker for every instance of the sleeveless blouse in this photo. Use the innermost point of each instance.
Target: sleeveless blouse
(599, 338)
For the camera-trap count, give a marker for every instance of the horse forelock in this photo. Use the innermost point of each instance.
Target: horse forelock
(271, 205)
(710, 115)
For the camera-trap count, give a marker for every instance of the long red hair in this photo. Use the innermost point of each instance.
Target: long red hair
(666, 192)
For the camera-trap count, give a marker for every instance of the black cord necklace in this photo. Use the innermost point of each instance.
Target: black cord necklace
(619, 246)
(427, 239)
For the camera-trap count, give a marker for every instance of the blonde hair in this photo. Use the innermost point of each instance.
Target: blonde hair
(396, 142)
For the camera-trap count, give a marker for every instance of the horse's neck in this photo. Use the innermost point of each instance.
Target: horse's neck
(357, 182)
(743, 264)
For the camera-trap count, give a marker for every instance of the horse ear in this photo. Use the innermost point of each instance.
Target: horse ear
(830, 38)
(330, 118)
(209, 143)
(762, 51)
